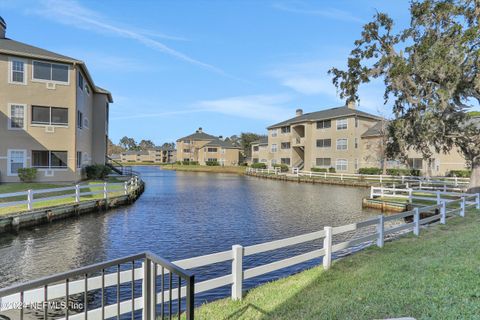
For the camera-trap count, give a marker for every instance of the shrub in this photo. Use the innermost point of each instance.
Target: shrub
(403, 172)
(332, 170)
(283, 167)
(185, 163)
(370, 171)
(212, 163)
(97, 171)
(193, 163)
(319, 169)
(459, 173)
(27, 174)
(178, 162)
(259, 165)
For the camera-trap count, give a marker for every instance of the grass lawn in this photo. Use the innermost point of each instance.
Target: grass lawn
(199, 168)
(434, 276)
(18, 187)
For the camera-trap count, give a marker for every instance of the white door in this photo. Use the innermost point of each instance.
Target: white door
(16, 160)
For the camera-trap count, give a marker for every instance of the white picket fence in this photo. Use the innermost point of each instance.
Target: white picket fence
(72, 192)
(445, 207)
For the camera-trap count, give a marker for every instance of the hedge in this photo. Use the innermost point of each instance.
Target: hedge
(319, 170)
(459, 173)
(370, 171)
(212, 163)
(283, 167)
(259, 165)
(403, 172)
(97, 171)
(27, 174)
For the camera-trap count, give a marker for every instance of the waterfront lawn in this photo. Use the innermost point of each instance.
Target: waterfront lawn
(434, 276)
(18, 187)
(199, 168)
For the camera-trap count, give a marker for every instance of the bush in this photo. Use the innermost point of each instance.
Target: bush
(370, 171)
(193, 163)
(178, 162)
(332, 170)
(319, 169)
(459, 173)
(403, 172)
(283, 167)
(212, 163)
(259, 165)
(97, 171)
(27, 174)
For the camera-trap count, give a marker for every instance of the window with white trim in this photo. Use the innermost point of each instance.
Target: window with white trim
(341, 165)
(49, 159)
(342, 144)
(17, 71)
(342, 124)
(274, 132)
(323, 162)
(49, 115)
(16, 119)
(46, 71)
(274, 148)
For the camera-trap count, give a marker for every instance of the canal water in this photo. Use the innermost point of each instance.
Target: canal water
(182, 215)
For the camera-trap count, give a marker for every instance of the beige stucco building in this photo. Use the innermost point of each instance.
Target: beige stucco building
(53, 116)
(202, 147)
(157, 155)
(343, 138)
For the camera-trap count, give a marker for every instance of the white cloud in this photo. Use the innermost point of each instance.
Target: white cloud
(329, 13)
(258, 107)
(70, 12)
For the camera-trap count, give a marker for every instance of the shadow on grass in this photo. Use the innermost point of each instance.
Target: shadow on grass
(241, 312)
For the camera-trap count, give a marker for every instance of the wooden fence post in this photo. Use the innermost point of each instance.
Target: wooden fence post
(237, 272)
(380, 231)
(416, 221)
(443, 212)
(462, 207)
(30, 199)
(327, 245)
(77, 193)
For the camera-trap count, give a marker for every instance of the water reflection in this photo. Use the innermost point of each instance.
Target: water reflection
(181, 215)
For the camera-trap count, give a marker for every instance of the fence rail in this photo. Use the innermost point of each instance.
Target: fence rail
(58, 286)
(73, 193)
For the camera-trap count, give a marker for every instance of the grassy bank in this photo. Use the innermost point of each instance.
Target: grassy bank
(434, 276)
(198, 168)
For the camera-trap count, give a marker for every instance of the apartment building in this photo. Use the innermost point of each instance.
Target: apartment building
(158, 155)
(202, 147)
(343, 138)
(55, 118)
(260, 151)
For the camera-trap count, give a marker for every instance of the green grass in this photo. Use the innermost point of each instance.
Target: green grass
(434, 276)
(213, 169)
(18, 187)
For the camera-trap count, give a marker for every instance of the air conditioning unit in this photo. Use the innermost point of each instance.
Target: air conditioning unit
(51, 85)
(50, 129)
(49, 173)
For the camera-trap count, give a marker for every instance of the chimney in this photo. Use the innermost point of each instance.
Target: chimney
(351, 105)
(200, 130)
(3, 28)
(220, 137)
(299, 112)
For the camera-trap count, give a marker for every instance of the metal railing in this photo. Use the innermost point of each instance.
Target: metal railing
(162, 283)
(73, 193)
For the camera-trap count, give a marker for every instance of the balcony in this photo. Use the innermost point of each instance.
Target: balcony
(298, 142)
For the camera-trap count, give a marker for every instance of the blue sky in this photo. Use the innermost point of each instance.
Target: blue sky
(226, 66)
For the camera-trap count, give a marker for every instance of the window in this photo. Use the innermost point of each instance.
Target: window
(16, 120)
(274, 148)
(49, 115)
(274, 132)
(356, 164)
(16, 159)
(285, 161)
(342, 124)
(356, 122)
(50, 71)
(255, 148)
(356, 143)
(285, 129)
(49, 159)
(342, 144)
(79, 159)
(17, 71)
(255, 160)
(324, 143)
(81, 83)
(273, 162)
(285, 145)
(415, 163)
(342, 165)
(211, 149)
(212, 159)
(79, 120)
(86, 123)
(324, 124)
(186, 150)
(323, 162)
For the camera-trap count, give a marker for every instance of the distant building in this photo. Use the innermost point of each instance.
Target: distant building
(54, 117)
(201, 147)
(260, 151)
(158, 155)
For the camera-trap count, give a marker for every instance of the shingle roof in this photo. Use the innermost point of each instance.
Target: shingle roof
(262, 140)
(220, 143)
(324, 115)
(374, 131)
(198, 136)
(12, 47)
(136, 152)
